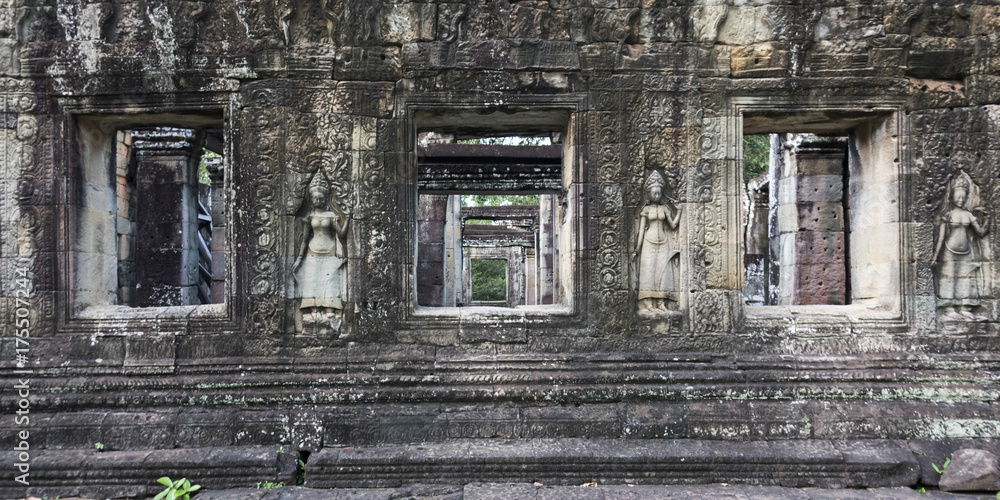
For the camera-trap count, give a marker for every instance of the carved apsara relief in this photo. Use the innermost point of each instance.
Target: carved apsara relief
(320, 266)
(962, 254)
(657, 247)
(323, 204)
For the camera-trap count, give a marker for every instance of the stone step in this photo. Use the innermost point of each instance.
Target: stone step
(797, 463)
(571, 461)
(120, 474)
(522, 491)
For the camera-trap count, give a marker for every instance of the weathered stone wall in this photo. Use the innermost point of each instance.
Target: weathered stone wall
(339, 90)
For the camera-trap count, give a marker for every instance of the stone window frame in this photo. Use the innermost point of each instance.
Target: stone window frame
(101, 118)
(898, 312)
(452, 110)
(513, 265)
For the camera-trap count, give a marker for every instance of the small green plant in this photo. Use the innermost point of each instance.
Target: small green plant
(99, 446)
(921, 490)
(300, 478)
(268, 485)
(180, 489)
(998, 495)
(943, 466)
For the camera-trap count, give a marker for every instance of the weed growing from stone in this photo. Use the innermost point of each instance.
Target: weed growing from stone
(180, 489)
(300, 478)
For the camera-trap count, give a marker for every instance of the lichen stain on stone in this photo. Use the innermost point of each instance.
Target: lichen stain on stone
(956, 428)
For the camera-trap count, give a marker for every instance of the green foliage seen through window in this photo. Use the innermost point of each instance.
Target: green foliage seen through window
(756, 152)
(489, 279)
(502, 200)
(202, 170)
(513, 140)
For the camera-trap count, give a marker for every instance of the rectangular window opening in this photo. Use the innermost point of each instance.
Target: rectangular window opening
(822, 212)
(170, 217)
(150, 228)
(488, 198)
(798, 206)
